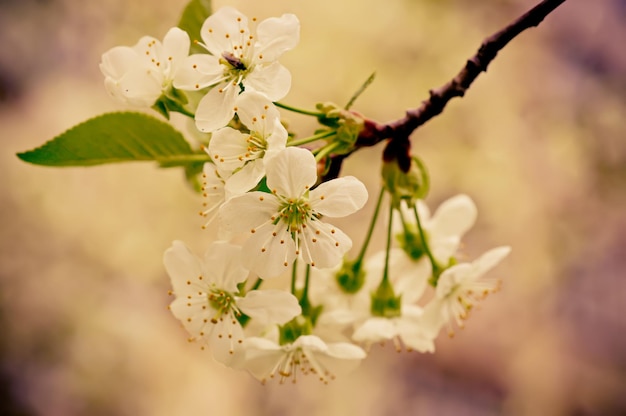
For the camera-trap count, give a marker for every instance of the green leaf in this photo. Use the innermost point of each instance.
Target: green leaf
(192, 19)
(113, 138)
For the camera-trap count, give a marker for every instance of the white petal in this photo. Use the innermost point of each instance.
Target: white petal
(216, 108)
(222, 265)
(247, 178)
(221, 31)
(246, 212)
(225, 339)
(147, 48)
(442, 248)
(454, 217)
(276, 141)
(291, 172)
(410, 276)
(261, 357)
(175, 47)
(375, 330)
(227, 148)
(181, 264)
(451, 278)
(322, 245)
(275, 36)
(198, 71)
(339, 197)
(418, 341)
(213, 191)
(489, 260)
(269, 255)
(417, 330)
(434, 317)
(345, 351)
(117, 61)
(141, 86)
(341, 358)
(195, 320)
(256, 112)
(273, 81)
(270, 306)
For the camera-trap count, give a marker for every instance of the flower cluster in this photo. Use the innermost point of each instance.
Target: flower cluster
(263, 191)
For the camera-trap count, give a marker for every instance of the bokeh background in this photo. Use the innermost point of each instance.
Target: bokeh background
(539, 142)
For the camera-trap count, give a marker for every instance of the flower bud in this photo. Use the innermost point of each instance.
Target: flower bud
(408, 186)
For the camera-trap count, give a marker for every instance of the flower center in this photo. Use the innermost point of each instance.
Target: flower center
(223, 303)
(295, 213)
(257, 145)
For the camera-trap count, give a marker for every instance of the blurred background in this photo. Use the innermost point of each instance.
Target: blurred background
(539, 143)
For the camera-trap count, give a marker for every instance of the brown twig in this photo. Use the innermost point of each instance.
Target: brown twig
(400, 129)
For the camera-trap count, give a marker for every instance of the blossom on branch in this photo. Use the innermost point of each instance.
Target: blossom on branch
(443, 229)
(240, 59)
(139, 75)
(286, 223)
(208, 301)
(460, 287)
(244, 154)
(308, 354)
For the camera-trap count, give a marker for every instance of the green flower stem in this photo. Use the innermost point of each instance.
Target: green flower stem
(326, 150)
(405, 225)
(370, 230)
(388, 248)
(294, 274)
(385, 303)
(311, 139)
(304, 299)
(436, 268)
(299, 110)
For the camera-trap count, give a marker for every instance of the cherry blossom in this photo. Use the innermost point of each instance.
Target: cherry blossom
(139, 75)
(286, 223)
(208, 301)
(244, 154)
(241, 58)
(308, 354)
(460, 287)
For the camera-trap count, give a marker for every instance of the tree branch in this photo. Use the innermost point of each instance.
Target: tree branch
(400, 129)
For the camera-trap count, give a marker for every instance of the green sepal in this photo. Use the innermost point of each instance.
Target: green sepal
(194, 15)
(384, 301)
(350, 277)
(172, 100)
(292, 330)
(411, 242)
(115, 138)
(346, 124)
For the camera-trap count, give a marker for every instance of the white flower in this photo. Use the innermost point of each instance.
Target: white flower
(443, 232)
(308, 354)
(286, 223)
(207, 301)
(240, 59)
(244, 154)
(138, 75)
(446, 227)
(407, 329)
(460, 287)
